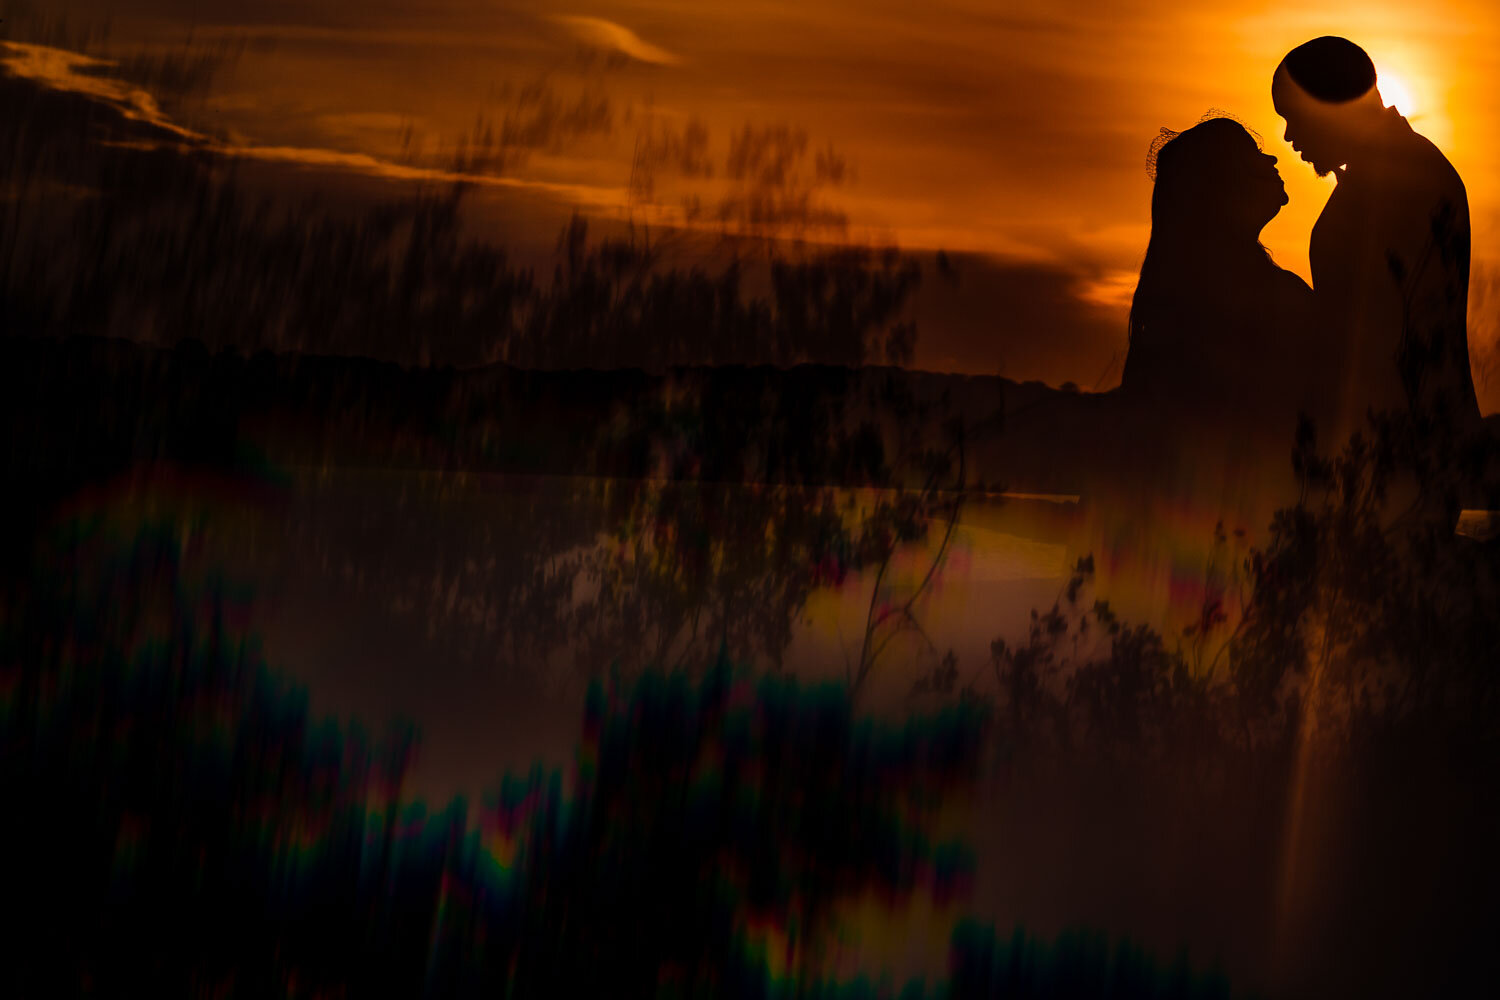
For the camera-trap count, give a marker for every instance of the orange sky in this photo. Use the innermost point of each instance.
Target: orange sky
(1017, 130)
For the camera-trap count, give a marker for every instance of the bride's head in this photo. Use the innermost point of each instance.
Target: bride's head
(1213, 185)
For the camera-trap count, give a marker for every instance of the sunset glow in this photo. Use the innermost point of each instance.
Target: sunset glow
(1037, 124)
(1395, 93)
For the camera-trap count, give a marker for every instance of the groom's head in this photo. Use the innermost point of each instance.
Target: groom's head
(1325, 89)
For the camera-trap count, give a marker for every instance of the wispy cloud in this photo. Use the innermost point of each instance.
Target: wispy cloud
(73, 72)
(1112, 289)
(88, 77)
(598, 32)
(587, 196)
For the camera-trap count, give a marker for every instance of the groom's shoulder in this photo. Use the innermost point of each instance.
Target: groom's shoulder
(1409, 173)
(1427, 165)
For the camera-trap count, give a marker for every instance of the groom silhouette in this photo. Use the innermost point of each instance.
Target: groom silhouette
(1390, 252)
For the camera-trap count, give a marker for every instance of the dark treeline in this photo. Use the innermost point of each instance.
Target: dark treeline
(184, 825)
(726, 490)
(809, 425)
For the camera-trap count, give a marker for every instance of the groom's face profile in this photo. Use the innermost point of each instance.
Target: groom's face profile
(1313, 127)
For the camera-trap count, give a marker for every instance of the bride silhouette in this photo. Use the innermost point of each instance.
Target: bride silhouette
(1219, 334)
(1223, 356)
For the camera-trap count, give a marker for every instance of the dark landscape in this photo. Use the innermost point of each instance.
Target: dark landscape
(396, 606)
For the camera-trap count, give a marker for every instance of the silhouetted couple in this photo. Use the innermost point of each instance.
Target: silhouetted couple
(1219, 334)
